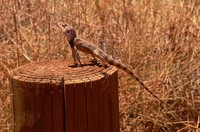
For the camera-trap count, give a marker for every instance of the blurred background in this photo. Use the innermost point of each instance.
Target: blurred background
(158, 39)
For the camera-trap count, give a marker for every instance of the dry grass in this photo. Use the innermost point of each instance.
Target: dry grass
(159, 39)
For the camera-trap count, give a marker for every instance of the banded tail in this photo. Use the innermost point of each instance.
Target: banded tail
(119, 65)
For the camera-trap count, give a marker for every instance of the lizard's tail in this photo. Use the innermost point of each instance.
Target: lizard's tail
(119, 65)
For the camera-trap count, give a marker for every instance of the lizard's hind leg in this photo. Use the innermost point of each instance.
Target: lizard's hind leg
(102, 60)
(94, 60)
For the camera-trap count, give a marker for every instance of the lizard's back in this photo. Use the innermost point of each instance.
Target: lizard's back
(84, 46)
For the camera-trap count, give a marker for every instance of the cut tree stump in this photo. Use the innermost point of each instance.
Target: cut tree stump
(55, 96)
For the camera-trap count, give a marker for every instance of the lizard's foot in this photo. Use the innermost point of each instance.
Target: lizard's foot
(94, 61)
(80, 65)
(105, 65)
(76, 64)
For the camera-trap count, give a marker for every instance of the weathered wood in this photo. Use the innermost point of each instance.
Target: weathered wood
(55, 96)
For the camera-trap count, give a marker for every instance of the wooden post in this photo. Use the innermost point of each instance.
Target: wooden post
(53, 96)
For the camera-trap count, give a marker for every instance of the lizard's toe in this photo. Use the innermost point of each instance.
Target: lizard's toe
(94, 61)
(80, 65)
(75, 64)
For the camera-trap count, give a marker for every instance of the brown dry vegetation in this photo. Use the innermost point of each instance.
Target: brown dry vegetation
(159, 39)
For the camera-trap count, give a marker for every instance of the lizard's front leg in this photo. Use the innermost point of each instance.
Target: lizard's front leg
(76, 56)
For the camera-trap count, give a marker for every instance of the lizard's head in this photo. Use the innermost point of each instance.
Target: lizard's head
(67, 30)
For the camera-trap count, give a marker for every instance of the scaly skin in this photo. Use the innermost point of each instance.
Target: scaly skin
(87, 47)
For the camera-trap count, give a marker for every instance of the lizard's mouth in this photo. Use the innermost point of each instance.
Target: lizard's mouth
(60, 26)
(63, 30)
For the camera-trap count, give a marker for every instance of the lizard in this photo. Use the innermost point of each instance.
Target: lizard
(80, 44)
